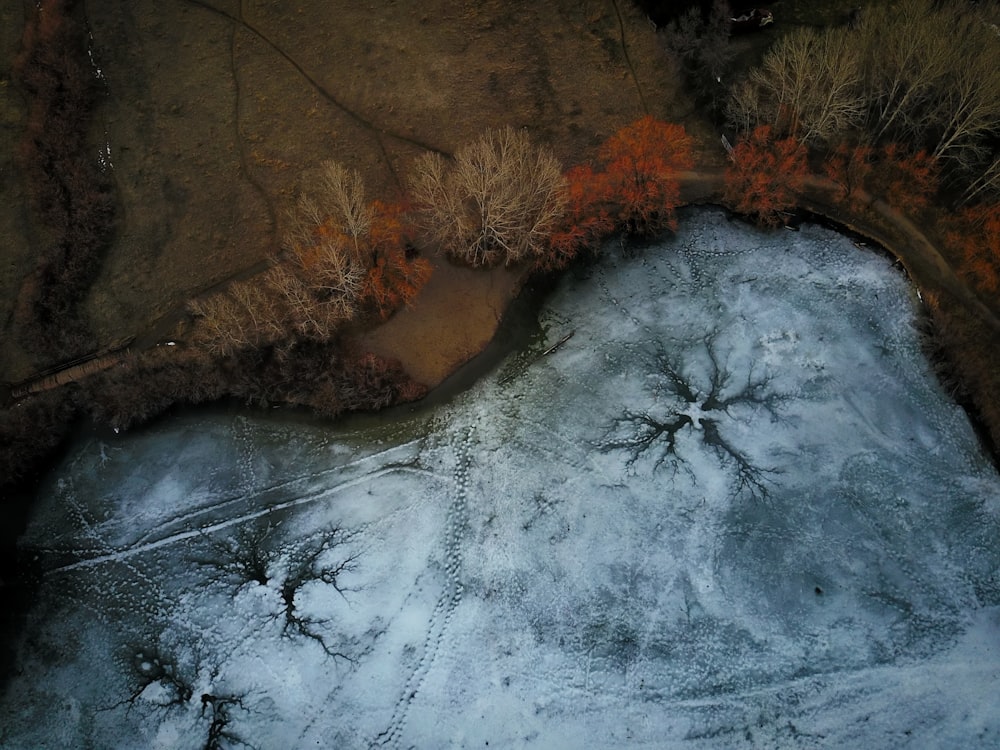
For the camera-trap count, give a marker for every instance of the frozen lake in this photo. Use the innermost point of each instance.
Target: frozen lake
(735, 509)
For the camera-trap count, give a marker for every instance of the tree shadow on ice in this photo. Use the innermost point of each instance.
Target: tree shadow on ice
(698, 403)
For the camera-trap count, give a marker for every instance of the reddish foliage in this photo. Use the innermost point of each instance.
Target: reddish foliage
(905, 180)
(390, 227)
(394, 279)
(849, 167)
(641, 165)
(975, 234)
(586, 220)
(637, 189)
(765, 176)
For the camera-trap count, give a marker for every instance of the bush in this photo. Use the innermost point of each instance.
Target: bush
(765, 175)
(496, 203)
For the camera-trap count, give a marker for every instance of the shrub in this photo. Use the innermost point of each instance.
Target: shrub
(641, 165)
(496, 203)
(765, 175)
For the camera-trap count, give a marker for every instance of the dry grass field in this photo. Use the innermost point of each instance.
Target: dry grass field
(215, 111)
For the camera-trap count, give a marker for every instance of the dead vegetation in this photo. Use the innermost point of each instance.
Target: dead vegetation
(496, 203)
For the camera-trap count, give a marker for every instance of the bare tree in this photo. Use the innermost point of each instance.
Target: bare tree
(987, 182)
(809, 85)
(342, 193)
(305, 315)
(221, 326)
(260, 308)
(332, 272)
(744, 109)
(934, 78)
(498, 202)
(782, 82)
(839, 104)
(970, 101)
(906, 56)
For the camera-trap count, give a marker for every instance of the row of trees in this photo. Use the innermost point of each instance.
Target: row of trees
(918, 72)
(500, 200)
(504, 200)
(343, 256)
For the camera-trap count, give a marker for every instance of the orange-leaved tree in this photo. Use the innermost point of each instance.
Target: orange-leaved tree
(585, 222)
(849, 167)
(394, 278)
(765, 175)
(641, 166)
(903, 179)
(975, 235)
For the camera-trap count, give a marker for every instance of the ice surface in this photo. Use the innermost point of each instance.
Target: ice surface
(735, 509)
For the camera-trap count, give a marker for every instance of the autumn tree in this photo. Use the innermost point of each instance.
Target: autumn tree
(764, 176)
(906, 180)
(641, 165)
(635, 187)
(586, 221)
(496, 203)
(343, 257)
(849, 167)
(394, 278)
(975, 237)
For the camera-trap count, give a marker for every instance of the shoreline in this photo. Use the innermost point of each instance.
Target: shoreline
(455, 319)
(926, 268)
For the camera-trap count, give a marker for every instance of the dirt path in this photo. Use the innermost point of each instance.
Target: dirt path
(900, 236)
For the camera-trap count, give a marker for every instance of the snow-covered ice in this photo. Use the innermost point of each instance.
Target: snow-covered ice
(735, 509)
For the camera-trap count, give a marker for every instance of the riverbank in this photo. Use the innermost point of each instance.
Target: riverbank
(780, 494)
(577, 97)
(457, 313)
